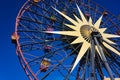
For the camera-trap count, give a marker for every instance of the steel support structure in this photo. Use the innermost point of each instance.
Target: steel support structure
(104, 58)
(92, 59)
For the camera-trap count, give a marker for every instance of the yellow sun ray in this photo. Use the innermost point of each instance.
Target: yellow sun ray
(109, 41)
(110, 35)
(71, 26)
(97, 24)
(69, 33)
(98, 51)
(67, 17)
(79, 21)
(82, 15)
(102, 30)
(78, 40)
(90, 22)
(111, 48)
(82, 51)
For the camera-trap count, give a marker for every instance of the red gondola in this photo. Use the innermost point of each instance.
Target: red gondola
(87, 15)
(47, 48)
(105, 13)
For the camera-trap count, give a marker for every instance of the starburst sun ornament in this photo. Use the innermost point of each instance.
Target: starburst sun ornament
(82, 30)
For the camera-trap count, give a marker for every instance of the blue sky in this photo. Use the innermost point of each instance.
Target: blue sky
(10, 68)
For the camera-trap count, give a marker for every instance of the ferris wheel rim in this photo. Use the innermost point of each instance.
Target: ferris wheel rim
(22, 11)
(21, 53)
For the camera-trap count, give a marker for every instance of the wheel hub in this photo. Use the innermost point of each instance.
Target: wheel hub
(86, 32)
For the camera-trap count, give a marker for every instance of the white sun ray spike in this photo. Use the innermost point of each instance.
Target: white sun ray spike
(110, 35)
(102, 30)
(78, 40)
(69, 33)
(98, 52)
(111, 48)
(97, 24)
(90, 22)
(82, 15)
(79, 21)
(67, 17)
(71, 26)
(81, 53)
(109, 41)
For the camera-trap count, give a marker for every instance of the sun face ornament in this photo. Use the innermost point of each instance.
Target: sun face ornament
(82, 29)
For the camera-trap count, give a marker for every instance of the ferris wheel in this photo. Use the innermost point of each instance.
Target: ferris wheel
(67, 40)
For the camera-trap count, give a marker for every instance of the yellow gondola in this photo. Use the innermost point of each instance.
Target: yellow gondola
(36, 1)
(14, 37)
(45, 65)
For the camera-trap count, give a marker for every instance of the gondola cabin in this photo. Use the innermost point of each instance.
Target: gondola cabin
(105, 13)
(53, 18)
(87, 15)
(64, 11)
(47, 48)
(44, 65)
(36, 1)
(14, 38)
(49, 28)
(118, 32)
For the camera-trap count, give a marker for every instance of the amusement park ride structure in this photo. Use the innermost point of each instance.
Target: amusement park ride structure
(69, 39)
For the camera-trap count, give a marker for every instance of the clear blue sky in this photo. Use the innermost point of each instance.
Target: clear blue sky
(10, 68)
